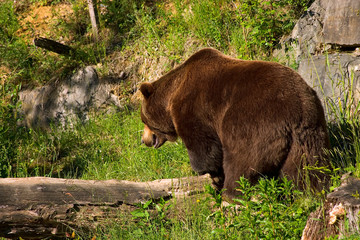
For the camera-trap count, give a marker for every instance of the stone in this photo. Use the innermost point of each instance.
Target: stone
(326, 25)
(75, 95)
(342, 23)
(335, 78)
(306, 38)
(308, 30)
(66, 101)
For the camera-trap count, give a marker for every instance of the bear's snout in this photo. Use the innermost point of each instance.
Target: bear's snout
(150, 139)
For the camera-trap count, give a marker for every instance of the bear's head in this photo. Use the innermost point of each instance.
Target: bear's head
(159, 126)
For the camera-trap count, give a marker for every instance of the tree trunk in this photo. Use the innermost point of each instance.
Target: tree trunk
(339, 216)
(94, 18)
(39, 207)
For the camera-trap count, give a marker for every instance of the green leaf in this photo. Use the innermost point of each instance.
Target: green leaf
(140, 213)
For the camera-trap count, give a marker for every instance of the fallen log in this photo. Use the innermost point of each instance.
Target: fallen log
(40, 207)
(53, 46)
(339, 216)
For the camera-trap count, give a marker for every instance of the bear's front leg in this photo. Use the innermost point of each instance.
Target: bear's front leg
(208, 159)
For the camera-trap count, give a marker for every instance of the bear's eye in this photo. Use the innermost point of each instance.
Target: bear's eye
(154, 129)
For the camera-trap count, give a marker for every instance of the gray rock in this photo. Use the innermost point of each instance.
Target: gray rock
(335, 78)
(307, 36)
(342, 23)
(67, 101)
(75, 95)
(307, 32)
(328, 25)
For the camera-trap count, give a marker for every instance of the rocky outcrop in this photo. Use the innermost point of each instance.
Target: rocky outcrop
(336, 79)
(306, 37)
(66, 101)
(342, 23)
(326, 25)
(324, 43)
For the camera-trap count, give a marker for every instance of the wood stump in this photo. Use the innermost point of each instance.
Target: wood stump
(339, 216)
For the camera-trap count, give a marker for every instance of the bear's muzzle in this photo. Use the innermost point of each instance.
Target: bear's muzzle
(150, 139)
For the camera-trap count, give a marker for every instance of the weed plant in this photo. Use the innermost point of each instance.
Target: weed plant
(10, 133)
(32, 66)
(270, 210)
(248, 29)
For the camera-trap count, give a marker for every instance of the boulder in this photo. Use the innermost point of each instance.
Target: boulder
(323, 44)
(326, 25)
(342, 23)
(63, 102)
(335, 78)
(307, 37)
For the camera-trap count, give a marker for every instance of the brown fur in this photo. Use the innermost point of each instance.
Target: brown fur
(238, 118)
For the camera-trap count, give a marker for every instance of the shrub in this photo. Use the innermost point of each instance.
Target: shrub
(271, 209)
(264, 22)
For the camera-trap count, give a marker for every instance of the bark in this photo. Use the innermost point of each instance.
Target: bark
(39, 207)
(339, 216)
(94, 18)
(53, 46)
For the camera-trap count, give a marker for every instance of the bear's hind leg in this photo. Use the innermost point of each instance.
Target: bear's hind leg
(306, 156)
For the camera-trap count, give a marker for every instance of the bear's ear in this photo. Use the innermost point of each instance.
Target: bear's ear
(146, 89)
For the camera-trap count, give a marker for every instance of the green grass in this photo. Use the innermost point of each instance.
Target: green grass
(343, 123)
(106, 147)
(121, 155)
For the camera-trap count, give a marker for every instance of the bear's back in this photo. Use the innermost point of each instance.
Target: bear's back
(257, 88)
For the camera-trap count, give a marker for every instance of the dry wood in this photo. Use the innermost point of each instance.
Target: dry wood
(92, 5)
(339, 216)
(39, 207)
(53, 46)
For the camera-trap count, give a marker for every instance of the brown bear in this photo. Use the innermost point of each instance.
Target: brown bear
(238, 118)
